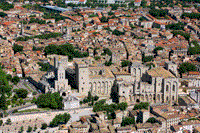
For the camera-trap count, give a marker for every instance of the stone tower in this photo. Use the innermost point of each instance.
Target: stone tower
(82, 77)
(61, 83)
(172, 67)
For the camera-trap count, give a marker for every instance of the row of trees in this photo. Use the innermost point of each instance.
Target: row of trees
(191, 15)
(158, 13)
(182, 33)
(141, 105)
(44, 36)
(66, 49)
(101, 106)
(6, 6)
(176, 26)
(48, 100)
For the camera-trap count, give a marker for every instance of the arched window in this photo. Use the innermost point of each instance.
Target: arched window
(174, 87)
(167, 98)
(173, 98)
(167, 87)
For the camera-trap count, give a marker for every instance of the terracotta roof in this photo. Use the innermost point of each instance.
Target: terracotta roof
(160, 72)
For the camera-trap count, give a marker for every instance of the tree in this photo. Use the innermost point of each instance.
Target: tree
(157, 49)
(2, 14)
(128, 121)
(53, 101)
(22, 93)
(35, 128)
(144, 3)
(17, 48)
(44, 126)
(29, 129)
(8, 121)
(9, 77)
(21, 101)
(1, 122)
(123, 106)
(21, 129)
(108, 63)
(34, 100)
(97, 57)
(15, 80)
(125, 63)
(147, 58)
(186, 67)
(151, 120)
(142, 105)
(3, 104)
(96, 98)
(60, 119)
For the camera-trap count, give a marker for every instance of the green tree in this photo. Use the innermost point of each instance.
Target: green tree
(97, 57)
(1, 122)
(21, 129)
(22, 93)
(35, 128)
(17, 48)
(123, 106)
(125, 63)
(186, 67)
(3, 104)
(142, 105)
(47, 100)
(44, 126)
(147, 58)
(151, 120)
(8, 121)
(2, 14)
(108, 63)
(9, 77)
(60, 119)
(128, 121)
(21, 101)
(29, 129)
(34, 100)
(15, 80)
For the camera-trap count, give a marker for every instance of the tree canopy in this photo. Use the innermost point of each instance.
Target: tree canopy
(142, 105)
(125, 63)
(6, 6)
(60, 119)
(17, 48)
(158, 13)
(2, 14)
(65, 49)
(21, 93)
(176, 26)
(128, 121)
(194, 50)
(186, 67)
(151, 120)
(53, 101)
(191, 15)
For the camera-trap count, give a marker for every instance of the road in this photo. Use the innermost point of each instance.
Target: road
(47, 117)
